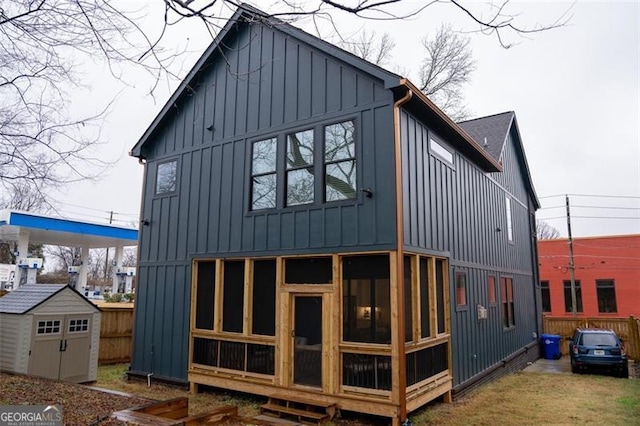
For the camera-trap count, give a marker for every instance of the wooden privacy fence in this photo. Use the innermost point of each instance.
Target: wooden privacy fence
(626, 328)
(116, 332)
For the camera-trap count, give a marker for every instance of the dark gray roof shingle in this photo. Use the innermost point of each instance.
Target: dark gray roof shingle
(494, 129)
(28, 297)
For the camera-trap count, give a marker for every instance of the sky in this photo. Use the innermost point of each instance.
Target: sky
(575, 91)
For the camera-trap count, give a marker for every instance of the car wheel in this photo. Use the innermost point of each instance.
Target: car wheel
(623, 373)
(574, 369)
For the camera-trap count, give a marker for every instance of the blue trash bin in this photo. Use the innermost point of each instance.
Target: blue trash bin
(550, 346)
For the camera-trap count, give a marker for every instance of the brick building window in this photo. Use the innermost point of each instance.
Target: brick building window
(546, 296)
(606, 296)
(567, 297)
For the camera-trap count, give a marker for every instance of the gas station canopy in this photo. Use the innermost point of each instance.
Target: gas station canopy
(63, 232)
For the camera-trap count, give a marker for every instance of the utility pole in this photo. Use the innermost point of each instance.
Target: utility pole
(572, 267)
(106, 260)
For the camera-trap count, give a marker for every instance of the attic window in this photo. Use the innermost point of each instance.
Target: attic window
(166, 177)
(440, 151)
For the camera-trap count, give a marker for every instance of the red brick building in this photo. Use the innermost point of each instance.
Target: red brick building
(607, 276)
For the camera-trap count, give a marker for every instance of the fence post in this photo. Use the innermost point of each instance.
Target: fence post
(634, 339)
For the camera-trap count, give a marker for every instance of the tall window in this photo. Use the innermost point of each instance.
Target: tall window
(366, 299)
(546, 296)
(509, 222)
(508, 311)
(567, 297)
(300, 168)
(205, 294)
(167, 177)
(461, 289)
(340, 161)
(491, 289)
(263, 174)
(441, 270)
(606, 296)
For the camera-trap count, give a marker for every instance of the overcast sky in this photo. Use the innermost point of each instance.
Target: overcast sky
(575, 91)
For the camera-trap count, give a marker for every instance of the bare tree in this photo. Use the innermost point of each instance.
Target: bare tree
(544, 231)
(447, 66)
(64, 257)
(24, 197)
(370, 46)
(42, 143)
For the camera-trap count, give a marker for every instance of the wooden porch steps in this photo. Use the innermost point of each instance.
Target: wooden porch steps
(304, 410)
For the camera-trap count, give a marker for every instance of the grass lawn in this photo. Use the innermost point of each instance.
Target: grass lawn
(518, 399)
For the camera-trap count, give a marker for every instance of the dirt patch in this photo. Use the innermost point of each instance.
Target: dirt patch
(80, 404)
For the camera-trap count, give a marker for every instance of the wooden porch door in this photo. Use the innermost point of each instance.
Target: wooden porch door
(307, 340)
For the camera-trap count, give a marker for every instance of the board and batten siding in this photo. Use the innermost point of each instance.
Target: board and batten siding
(455, 210)
(269, 84)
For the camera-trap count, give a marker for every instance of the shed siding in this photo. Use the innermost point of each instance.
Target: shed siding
(65, 302)
(9, 341)
(455, 210)
(95, 347)
(270, 84)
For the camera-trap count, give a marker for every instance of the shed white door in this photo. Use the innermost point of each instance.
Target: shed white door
(44, 353)
(61, 347)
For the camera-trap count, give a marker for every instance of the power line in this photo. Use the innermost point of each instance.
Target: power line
(592, 207)
(591, 195)
(590, 217)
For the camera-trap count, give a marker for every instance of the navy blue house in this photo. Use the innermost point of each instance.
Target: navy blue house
(313, 225)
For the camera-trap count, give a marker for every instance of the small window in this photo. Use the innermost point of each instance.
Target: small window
(48, 327)
(461, 289)
(491, 289)
(606, 296)
(441, 151)
(300, 170)
(166, 178)
(508, 311)
(263, 174)
(546, 296)
(509, 222)
(340, 161)
(568, 305)
(78, 325)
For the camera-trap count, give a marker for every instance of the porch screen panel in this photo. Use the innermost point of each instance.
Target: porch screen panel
(309, 270)
(233, 296)
(205, 289)
(440, 264)
(408, 300)
(425, 314)
(264, 297)
(366, 302)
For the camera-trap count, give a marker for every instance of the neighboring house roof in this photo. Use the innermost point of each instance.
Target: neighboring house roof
(27, 297)
(247, 13)
(490, 132)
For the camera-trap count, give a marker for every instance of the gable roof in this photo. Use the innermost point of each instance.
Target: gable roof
(247, 13)
(490, 132)
(28, 297)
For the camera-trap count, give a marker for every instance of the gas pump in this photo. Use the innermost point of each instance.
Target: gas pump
(74, 272)
(29, 269)
(125, 279)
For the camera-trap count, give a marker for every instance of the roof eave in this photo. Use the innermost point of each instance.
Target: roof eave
(481, 156)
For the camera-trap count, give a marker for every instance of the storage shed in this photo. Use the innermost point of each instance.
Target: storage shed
(49, 330)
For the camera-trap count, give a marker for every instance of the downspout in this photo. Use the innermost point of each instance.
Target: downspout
(402, 381)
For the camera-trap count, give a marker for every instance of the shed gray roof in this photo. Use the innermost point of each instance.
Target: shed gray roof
(27, 297)
(493, 129)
